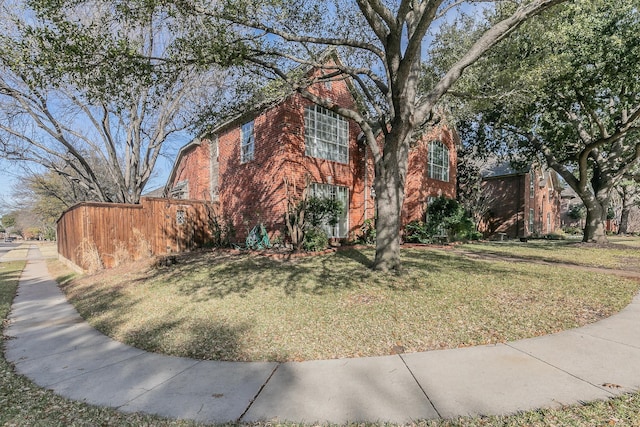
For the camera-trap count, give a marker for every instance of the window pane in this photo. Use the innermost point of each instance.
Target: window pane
(246, 142)
(438, 167)
(326, 135)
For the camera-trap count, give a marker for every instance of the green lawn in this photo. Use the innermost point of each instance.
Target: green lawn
(620, 253)
(232, 307)
(24, 404)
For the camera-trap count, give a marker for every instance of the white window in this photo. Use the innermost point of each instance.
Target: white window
(247, 142)
(532, 183)
(326, 135)
(341, 194)
(438, 161)
(531, 220)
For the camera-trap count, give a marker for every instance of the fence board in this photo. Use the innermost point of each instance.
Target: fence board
(110, 233)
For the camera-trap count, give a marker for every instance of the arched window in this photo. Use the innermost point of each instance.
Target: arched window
(438, 161)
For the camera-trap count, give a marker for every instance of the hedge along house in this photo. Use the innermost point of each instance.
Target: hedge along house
(243, 163)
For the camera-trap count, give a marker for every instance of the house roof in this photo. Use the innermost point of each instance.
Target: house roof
(275, 92)
(495, 167)
(174, 169)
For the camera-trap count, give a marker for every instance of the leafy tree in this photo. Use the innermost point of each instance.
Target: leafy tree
(475, 197)
(87, 91)
(629, 192)
(564, 89)
(8, 220)
(381, 45)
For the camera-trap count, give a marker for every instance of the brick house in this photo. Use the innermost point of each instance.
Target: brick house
(520, 203)
(242, 164)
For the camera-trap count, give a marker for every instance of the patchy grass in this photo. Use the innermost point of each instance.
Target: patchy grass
(623, 411)
(620, 253)
(230, 307)
(634, 242)
(22, 403)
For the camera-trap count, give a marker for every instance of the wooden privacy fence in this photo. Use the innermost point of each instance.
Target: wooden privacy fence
(94, 235)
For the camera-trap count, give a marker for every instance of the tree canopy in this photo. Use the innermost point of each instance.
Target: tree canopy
(565, 90)
(87, 90)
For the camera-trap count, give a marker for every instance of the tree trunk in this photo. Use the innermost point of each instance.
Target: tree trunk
(389, 199)
(624, 220)
(389, 180)
(594, 229)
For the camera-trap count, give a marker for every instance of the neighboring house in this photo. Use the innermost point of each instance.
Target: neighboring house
(520, 203)
(242, 164)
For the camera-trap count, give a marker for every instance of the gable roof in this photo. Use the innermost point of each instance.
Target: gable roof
(196, 142)
(272, 94)
(496, 167)
(277, 91)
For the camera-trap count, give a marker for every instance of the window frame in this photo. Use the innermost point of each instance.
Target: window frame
(532, 183)
(326, 135)
(247, 142)
(532, 219)
(439, 171)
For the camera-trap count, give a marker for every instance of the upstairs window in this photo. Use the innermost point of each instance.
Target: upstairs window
(532, 183)
(247, 142)
(438, 161)
(326, 135)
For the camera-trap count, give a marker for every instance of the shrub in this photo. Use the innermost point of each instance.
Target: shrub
(315, 239)
(417, 232)
(222, 231)
(448, 217)
(572, 230)
(323, 210)
(88, 256)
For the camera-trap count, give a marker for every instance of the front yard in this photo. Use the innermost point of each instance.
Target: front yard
(247, 307)
(443, 281)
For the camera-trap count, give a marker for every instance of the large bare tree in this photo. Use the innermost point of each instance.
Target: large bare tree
(86, 90)
(382, 44)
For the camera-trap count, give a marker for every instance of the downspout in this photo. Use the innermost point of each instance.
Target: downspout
(520, 204)
(366, 182)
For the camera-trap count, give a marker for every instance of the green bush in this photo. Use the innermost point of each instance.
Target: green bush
(572, 230)
(315, 239)
(323, 211)
(447, 217)
(417, 232)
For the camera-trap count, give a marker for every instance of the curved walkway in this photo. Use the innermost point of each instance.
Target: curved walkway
(54, 347)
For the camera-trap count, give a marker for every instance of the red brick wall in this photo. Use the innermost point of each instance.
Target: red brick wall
(194, 167)
(546, 204)
(512, 201)
(507, 213)
(254, 191)
(419, 187)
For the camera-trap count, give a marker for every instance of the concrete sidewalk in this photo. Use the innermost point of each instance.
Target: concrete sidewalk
(54, 347)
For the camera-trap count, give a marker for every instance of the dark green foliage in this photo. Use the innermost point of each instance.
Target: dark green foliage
(315, 239)
(446, 220)
(577, 212)
(416, 232)
(223, 233)
(323, 211)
